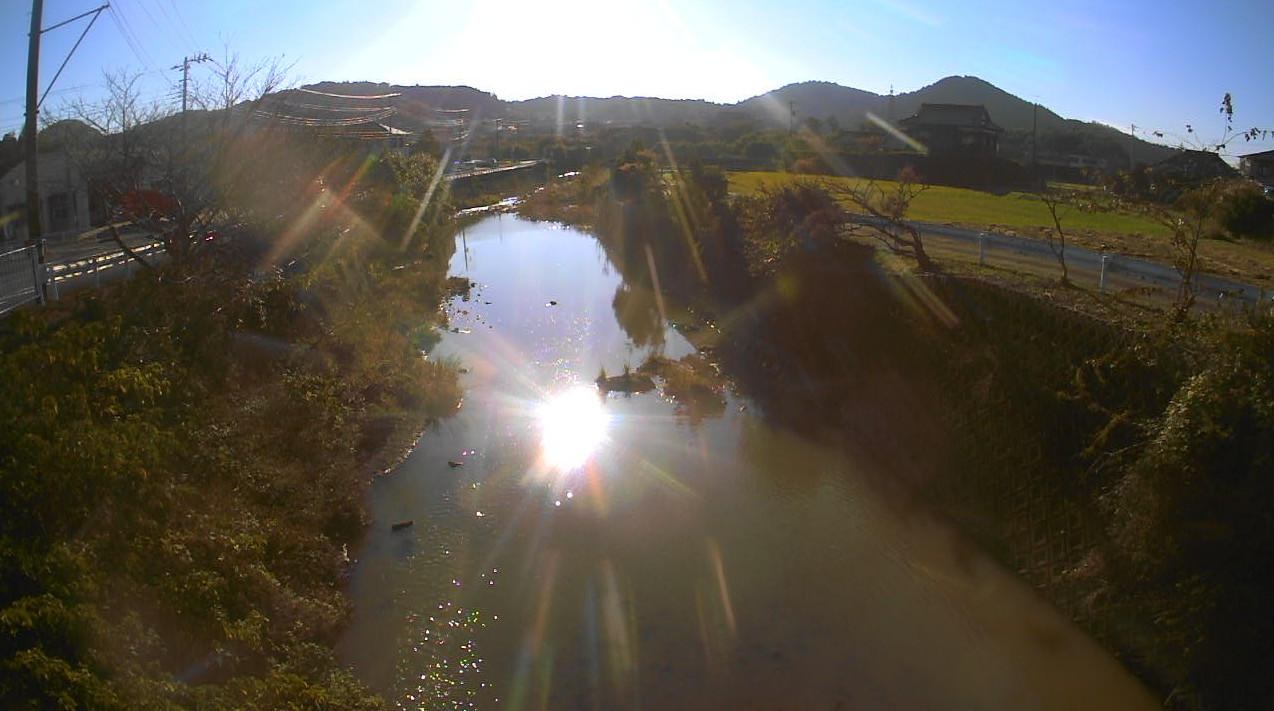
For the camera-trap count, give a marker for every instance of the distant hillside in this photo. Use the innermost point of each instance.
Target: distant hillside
(418, 105)
(616, 110)
(1006, 109)
(820, 99)
(849, 106)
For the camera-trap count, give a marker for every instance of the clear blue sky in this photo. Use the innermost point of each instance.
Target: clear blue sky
(1159, 65)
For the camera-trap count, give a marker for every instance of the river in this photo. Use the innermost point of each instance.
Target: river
(578, 551)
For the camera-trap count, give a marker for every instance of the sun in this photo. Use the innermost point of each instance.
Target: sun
(573, 425)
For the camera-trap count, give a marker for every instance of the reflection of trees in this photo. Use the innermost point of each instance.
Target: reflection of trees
(693, 384)
(638, 313)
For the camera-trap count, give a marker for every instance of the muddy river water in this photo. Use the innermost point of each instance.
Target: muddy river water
(574, 550)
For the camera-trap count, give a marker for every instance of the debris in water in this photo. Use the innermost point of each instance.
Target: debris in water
(401, 525)
(479, 514)
(551, 303)
(454, 463)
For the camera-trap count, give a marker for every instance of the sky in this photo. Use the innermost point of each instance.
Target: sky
(1158, 65)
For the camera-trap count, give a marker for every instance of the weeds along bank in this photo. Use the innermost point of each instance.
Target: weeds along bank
(185, 457)
(1126, 474)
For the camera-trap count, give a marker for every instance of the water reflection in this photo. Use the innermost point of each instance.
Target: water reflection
(673, 549)
(573, 425)
(637, 312)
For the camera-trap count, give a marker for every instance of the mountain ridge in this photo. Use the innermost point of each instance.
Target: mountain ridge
(818, 99)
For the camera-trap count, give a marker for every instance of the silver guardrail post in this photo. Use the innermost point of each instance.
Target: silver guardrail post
(38, 274)
(1101, 285)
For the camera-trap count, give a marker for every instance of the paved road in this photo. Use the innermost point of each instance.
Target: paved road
(1084, 265)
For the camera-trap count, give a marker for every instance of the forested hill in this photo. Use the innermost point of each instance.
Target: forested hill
(819, 100)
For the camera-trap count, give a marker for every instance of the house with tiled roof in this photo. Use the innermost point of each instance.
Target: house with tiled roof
(954, 129)
(1258, 167)
(1192, 165)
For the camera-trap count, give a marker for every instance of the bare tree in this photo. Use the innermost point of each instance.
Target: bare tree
(174, 184)
(1058, 205)
(234, 82)
(1188, 223)
(885, 210)
(1187, 220)
(120, 157)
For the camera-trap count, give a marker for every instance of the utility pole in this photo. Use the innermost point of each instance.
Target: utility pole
(1035, 109)
(185, 80)
(495, 154)
(31, 132)
(791, 116)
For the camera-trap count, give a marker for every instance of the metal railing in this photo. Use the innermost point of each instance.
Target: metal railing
(21, 278)
(97, 266)
(24, 280)
(1152, 273)
(1104, 264)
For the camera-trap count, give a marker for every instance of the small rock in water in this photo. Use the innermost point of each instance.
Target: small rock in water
(454, 463)
(551, 303)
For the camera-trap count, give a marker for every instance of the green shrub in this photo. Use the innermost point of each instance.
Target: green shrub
(1244, 211)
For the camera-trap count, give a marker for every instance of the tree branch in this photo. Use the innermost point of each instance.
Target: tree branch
(129, 250)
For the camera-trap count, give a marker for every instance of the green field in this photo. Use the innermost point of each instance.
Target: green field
(972, 207)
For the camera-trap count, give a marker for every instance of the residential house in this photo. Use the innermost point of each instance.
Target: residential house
(64, 198)
(1190, 166)
(1258, 167)
(954, 129)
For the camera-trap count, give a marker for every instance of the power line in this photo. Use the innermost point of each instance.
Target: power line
(323, 122)
(130, 38)
(338, 109)
(176, 30)
(96, 14)
(182, 20)
(19, 99)
(142, 5)
(353, 96)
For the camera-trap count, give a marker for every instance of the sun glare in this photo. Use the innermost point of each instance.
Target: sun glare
(573, 425)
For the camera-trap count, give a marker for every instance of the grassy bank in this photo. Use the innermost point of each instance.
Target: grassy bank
(1020, 213)
(943, 204)
(185, 458)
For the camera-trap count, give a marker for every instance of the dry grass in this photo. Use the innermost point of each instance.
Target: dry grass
(1021, 214)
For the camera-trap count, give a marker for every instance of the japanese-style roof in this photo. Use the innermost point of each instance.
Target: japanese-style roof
(1200, 164)
(968, 115)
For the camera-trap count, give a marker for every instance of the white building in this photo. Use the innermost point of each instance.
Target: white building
(64, 198)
